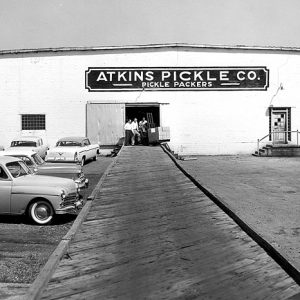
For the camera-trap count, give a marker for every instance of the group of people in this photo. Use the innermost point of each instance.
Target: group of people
(136, 132)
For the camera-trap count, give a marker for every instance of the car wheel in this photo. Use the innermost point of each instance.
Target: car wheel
(82, 161)
(95, 158)
(41, 212)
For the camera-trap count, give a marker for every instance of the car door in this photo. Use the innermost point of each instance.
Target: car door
(43, 148)
(89, 151)
(5, 191)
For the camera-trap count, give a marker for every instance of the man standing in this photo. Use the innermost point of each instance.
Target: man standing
(143, 130)
(135, 132)
(128, 132)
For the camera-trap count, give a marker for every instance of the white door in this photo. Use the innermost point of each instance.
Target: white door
(105, 123)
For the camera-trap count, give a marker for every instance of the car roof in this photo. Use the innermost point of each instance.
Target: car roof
(7, 159)
(73, 139)
(26, 138)
(16, 151)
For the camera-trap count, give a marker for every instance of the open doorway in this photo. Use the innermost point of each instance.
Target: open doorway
(150, 112)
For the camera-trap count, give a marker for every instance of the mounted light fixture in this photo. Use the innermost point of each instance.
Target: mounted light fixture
(280, 88)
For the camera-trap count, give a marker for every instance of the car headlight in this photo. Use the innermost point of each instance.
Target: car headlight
(63, 195)
(76, 156)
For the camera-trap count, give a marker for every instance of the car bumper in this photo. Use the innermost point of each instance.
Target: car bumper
(72, 208)
(61, 159)
(82, 184)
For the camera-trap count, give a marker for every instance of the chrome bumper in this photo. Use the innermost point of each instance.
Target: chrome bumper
(82, 184)
(72, 208)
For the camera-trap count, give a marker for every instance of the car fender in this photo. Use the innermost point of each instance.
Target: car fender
(21, 201)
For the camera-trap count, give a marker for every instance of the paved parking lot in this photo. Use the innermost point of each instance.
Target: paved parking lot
(264, 192)
(24, 248)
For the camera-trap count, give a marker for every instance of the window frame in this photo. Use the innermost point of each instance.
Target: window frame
(33, 122)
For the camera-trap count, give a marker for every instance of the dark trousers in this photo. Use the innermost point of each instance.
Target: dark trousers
(128, 135)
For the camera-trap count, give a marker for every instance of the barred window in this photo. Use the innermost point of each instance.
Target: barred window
(33, 122)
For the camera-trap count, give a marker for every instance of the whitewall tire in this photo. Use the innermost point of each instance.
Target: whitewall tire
(41, 212)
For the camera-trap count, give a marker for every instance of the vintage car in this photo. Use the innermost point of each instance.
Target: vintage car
(39, 167)
(33, 143)
(73, 149)
(40, 197)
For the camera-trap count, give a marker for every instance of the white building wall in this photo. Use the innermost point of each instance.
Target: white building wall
(202, 122)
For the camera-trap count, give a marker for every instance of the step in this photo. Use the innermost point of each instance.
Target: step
(279, 151)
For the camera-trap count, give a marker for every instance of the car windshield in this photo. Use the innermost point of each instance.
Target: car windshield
(18, 168)
(68, 144)
(23, 144)
(37, 159)
(26, 160)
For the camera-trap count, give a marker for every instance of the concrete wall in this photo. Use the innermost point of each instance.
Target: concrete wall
(202, 122)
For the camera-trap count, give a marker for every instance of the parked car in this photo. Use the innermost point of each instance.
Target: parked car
(33, 143)
(40, 167)
(73, 149)
(41, 197)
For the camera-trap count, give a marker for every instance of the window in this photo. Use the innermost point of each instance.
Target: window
(17, 168)
(86, 142)
(3, 175)
(33, 122)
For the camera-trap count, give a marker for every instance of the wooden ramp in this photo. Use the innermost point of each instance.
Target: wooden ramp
(151, 234)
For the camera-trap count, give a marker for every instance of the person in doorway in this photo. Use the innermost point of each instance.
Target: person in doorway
(143, 126)
(128, 132)
(135, 132)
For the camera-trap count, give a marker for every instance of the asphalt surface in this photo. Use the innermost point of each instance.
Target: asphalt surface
(25, 248)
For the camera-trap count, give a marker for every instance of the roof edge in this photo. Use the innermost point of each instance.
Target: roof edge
(149, 46)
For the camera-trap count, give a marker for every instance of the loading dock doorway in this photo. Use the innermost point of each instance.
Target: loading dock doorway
(149, 111)
(105, 121)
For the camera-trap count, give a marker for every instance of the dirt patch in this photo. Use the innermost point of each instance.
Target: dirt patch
(264, 192)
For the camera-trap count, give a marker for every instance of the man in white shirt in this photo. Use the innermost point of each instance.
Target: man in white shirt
(128, 132)
(135, 132)
(143, 131)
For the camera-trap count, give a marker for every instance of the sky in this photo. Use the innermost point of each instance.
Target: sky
(28, 24)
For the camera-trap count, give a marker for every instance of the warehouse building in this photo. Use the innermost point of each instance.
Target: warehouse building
(215, 100)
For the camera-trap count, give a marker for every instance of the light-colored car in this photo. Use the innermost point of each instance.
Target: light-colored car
(41, 197)
(73, 149)
(33, 143)
(38, 166)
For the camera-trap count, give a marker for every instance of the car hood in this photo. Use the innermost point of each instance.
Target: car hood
(60, 167)
(41, 181)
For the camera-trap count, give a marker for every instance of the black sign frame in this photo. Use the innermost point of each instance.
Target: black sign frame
(250, 78)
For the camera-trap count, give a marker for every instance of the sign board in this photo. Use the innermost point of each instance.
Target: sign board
(177, 79)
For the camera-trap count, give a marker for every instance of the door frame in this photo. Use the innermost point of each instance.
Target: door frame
(287, 112)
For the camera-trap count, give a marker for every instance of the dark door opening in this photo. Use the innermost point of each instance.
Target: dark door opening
(141, 111)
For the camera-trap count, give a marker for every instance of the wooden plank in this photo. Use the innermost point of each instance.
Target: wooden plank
(151, 234)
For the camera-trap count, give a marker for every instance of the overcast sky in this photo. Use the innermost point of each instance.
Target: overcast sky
(62, 23)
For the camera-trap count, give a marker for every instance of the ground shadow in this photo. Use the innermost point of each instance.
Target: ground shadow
(58, 220)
